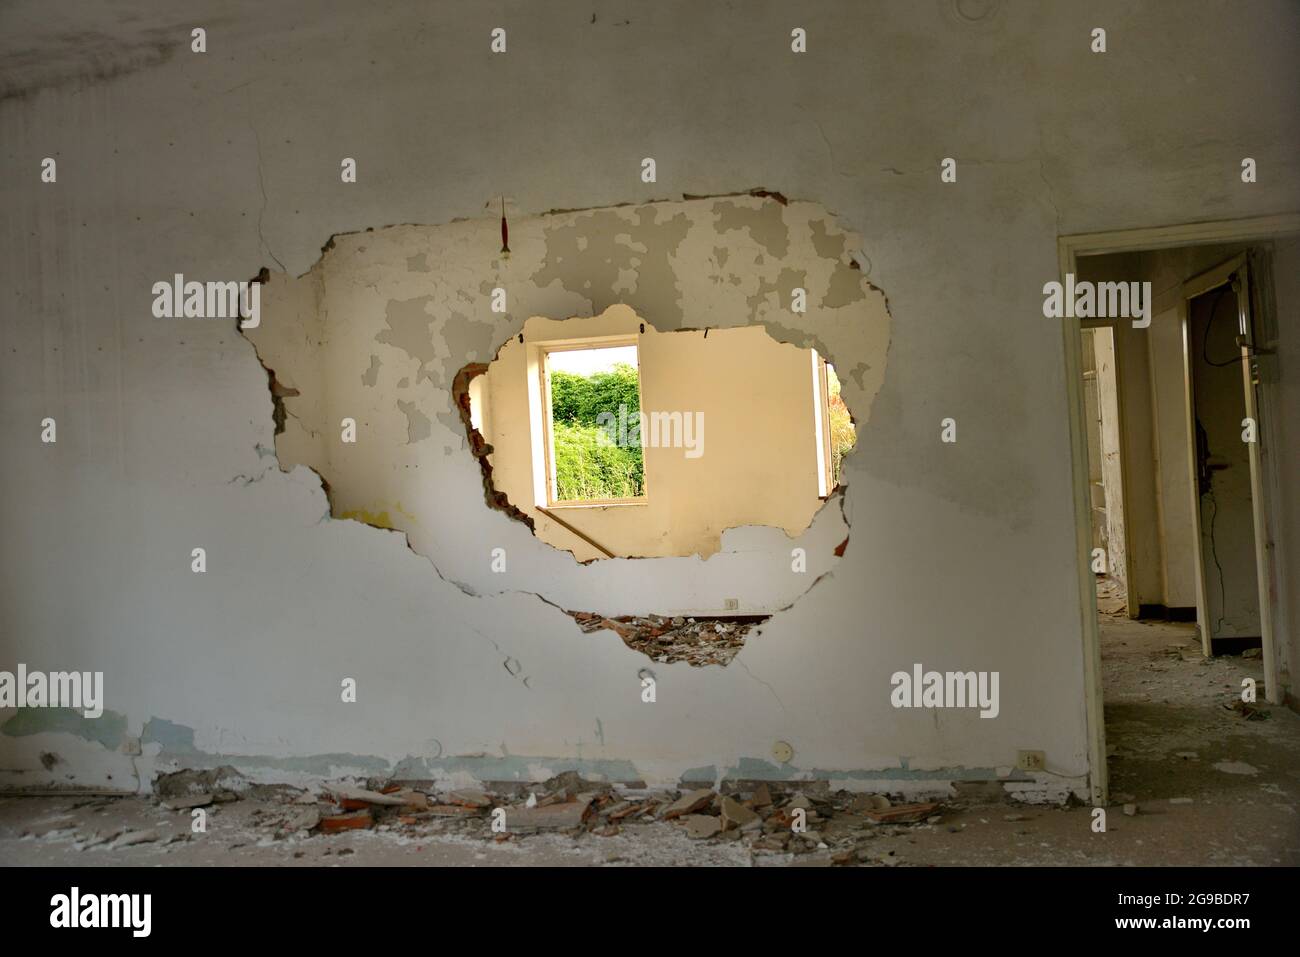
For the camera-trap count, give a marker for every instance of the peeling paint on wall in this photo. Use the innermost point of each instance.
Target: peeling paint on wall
(701, 263)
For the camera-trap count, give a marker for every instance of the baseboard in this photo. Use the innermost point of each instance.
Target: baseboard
(1167, 613)
(1233, 646)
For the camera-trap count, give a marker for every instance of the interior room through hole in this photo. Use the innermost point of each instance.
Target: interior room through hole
(622, 441)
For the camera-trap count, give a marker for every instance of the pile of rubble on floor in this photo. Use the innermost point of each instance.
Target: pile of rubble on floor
(1111, 596)
(765, 818)
(697, 641)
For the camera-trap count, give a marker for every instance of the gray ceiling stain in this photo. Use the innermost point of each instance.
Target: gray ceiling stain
(408, 330)
(418, 263)
(371, 375)
(765, 224)
(720, 254)
(591, 268)
(84, 56)
(418, 426)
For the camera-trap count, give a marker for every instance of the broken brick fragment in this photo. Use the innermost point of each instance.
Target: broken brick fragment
(357, 820)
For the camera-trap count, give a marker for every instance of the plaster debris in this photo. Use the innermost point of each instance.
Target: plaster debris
(1247, 712)
(567, 807)
(701, 825)
(688, 803)
(470, 799)
(354, 799)
(735, 814)
(188, 801)
(561, 815)
(135, 837)
(197, 788)
(697, 641)
(1235, 767)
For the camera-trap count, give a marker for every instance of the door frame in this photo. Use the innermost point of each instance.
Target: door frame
(1131, 605)
(1236, 273)
(1069, 250)
(1196, 286)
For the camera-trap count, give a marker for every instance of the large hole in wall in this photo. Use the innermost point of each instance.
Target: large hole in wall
(616, 440)
(381, 351)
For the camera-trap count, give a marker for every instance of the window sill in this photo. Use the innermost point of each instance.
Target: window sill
(557, 506)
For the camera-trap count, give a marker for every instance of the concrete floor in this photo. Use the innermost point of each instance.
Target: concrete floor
(1210, 788)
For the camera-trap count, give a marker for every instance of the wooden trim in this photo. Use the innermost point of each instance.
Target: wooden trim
(1213, 277)
(1194, 481)
(544, 376)
(582, 535)
(1131, 596)
(1069, 249)
(1259, 501)
(1085, 581)
(1255, 229)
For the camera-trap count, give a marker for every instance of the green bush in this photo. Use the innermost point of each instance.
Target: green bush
(843, 434)
(587, 464)
(576, 398)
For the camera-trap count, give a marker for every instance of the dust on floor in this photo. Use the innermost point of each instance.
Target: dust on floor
(1206, 784)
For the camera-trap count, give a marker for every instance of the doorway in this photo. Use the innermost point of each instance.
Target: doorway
(1159, 488)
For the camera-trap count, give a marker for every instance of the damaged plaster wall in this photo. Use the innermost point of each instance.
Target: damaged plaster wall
(741, 451)
(708, 263)
(962, 555)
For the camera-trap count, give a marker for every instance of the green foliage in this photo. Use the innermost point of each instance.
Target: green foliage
(843, 433)
(576, 398)
(588, 465)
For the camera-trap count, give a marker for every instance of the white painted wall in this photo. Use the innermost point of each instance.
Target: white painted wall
(215, 165)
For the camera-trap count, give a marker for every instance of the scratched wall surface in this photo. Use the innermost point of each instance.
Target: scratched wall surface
(961, 556)
(378, 328)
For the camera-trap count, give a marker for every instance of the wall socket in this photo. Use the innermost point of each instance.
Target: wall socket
(730, 604)
(1031, 760)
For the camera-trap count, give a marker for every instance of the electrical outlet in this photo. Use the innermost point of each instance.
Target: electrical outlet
(1031, 760)
(730, 604)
